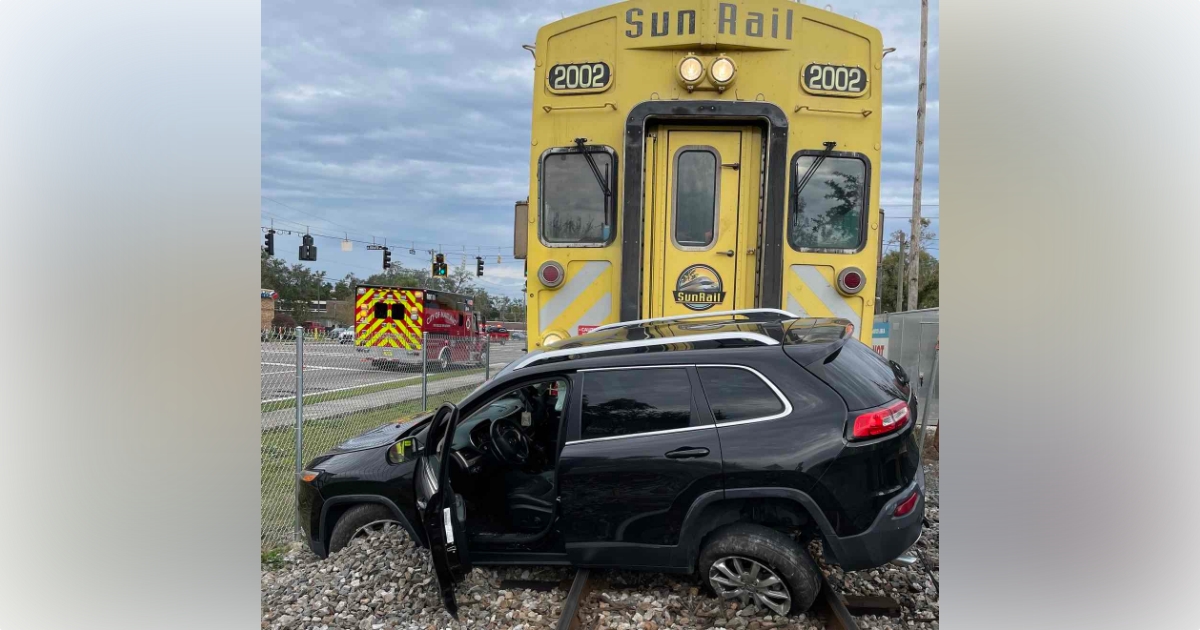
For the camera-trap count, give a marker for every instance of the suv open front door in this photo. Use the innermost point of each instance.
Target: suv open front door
(441, 510)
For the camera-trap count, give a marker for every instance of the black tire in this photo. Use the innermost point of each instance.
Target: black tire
(776, 551)
(354, 522)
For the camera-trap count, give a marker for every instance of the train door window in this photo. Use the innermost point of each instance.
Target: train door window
(829, 213)
(574, 208)
(696, 197)
(381, 310)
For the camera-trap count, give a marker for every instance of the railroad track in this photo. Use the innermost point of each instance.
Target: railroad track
(833, 607)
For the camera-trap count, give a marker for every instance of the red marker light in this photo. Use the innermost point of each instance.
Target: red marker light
(851, 280)
(551, 274)
(907, 505)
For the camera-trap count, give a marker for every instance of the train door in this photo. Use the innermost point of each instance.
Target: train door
(701, 229)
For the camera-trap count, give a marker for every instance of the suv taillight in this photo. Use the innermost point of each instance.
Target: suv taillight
(881, 421)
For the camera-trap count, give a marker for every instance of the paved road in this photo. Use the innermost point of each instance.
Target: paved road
(334, 367)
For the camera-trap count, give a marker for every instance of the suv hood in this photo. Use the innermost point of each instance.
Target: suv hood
(384, 435)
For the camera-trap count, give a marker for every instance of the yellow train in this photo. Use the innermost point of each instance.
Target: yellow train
(696, 155)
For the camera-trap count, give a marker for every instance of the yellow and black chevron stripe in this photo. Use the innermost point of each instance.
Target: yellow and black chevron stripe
(390, 332)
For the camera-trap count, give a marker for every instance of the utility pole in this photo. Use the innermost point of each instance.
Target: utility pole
(914, 265)
(900, 276)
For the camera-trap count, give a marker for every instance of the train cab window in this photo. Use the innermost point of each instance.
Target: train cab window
(695, 197)
(381, 310)
(573, 205)
(829, 213)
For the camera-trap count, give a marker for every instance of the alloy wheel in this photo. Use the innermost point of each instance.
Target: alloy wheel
(384, 525)
(744, 579)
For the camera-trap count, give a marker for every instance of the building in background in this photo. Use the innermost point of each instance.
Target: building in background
(267, 304)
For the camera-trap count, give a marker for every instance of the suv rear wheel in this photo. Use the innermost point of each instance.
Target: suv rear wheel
(756, 564)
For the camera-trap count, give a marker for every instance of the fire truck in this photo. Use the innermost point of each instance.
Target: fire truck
(399, 326)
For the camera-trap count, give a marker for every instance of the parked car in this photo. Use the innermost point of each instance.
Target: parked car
(345, 335)
(517, 335)
(720, 447)
(498, 334)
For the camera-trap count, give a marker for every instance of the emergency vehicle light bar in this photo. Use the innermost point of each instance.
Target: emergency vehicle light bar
(782, 315)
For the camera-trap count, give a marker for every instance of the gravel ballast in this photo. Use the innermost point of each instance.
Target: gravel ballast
(385, 582)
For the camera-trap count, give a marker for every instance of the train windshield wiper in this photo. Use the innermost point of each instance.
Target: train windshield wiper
(812, 169)
(600, 179)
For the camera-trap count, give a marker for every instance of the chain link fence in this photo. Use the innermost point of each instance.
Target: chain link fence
(342, 391)
(911, 338)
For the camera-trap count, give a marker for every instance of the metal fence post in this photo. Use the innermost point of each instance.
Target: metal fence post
(487, 358)
(299, 424)
(933, 375)
(424, 371)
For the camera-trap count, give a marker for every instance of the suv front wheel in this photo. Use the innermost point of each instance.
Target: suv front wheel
(756, 564)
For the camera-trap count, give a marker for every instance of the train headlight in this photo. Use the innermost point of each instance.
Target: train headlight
(691, 71)
(722, 71)
(551, 339)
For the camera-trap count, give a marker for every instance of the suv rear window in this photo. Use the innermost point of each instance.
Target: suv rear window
(863, 378)
(628, 402)
(735, 394)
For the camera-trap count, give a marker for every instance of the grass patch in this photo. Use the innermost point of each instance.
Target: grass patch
(375, 388)
(278, 448)
(272, 559)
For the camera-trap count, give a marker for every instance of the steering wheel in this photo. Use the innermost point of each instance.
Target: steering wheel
(511, 445)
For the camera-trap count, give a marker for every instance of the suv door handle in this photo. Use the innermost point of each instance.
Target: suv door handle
(687, 452)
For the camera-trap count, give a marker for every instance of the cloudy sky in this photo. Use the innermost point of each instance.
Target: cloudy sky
(410, 121)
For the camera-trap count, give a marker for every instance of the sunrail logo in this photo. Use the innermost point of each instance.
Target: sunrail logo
(699, 288)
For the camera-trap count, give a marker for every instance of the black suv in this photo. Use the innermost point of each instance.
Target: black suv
(720, 443)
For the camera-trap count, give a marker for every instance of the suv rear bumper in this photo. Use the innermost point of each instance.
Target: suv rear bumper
(887, 538)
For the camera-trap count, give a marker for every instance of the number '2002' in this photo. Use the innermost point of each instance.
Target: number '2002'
(579, 76)
(835, 78)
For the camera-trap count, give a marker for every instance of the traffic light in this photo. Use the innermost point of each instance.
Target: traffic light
(439, 267)
(308, 251)
(387, 258)
(269, 243)
(479, 265)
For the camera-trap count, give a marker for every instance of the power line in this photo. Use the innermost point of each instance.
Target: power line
(484, 248)
(305, 212)
(397, 250)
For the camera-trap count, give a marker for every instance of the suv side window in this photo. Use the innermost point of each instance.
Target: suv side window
(628, 402)
(736, 394)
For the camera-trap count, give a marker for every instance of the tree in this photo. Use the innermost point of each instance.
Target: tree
(929, 281)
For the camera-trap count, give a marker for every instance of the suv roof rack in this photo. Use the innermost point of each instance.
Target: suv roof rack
(644, 343)
(782, 315)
